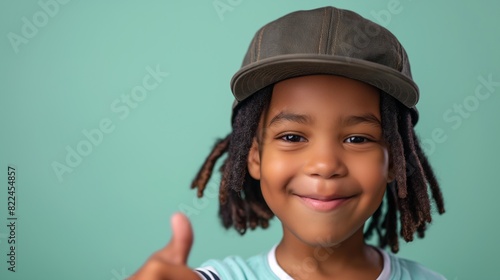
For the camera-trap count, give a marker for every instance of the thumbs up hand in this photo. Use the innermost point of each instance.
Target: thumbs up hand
(170, 262)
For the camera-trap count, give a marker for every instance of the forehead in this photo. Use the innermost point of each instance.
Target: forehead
(325, 96)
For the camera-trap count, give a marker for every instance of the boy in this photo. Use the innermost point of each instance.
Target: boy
(322, 131)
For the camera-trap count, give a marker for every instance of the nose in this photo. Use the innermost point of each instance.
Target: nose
(325, 160)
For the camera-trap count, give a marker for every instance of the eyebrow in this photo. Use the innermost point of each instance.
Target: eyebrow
(352, 120)
(286, 116)
(366, 118)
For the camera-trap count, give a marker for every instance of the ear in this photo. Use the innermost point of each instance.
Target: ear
(253, 162)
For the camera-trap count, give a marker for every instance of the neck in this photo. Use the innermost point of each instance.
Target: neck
(352, 258)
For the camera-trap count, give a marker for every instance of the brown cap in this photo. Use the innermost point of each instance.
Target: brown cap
(326, 41)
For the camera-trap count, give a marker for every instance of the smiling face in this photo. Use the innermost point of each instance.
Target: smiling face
(321, 158)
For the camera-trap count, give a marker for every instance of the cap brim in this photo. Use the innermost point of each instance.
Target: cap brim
(255, 76)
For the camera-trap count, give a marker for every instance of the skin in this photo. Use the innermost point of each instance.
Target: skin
(170, 262)
(320, 140)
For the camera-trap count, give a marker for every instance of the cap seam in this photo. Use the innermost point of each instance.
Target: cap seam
(336, 30)
(400, 56)
(252, 51)
(322, 30)
(260, 42)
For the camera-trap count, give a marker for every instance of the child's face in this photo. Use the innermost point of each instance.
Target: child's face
(323, 165)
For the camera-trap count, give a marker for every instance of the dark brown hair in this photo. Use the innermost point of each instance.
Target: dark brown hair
(242, 205)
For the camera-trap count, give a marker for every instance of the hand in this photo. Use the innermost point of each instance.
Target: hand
(170, 262)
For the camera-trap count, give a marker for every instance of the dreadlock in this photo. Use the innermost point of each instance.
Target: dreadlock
(242, 205)
(241, 202)
(407, 194)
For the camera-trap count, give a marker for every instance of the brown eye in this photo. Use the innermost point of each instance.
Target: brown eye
(356, 139)
(292, 138)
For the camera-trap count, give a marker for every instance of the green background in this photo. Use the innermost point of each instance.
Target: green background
(105, 217)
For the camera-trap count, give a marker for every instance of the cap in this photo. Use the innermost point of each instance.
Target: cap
(327, 40)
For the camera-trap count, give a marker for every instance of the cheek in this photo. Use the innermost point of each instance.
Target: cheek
(278, 169)
(372, 171)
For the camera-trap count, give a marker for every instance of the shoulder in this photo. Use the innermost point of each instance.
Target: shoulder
(235, 267)
(404, 269)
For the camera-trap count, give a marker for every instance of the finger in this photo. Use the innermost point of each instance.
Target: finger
(157, 270)
(177, 250)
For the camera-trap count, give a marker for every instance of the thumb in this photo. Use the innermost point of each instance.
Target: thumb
(177, 250)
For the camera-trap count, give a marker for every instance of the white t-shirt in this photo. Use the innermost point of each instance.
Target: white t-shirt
(265, 266)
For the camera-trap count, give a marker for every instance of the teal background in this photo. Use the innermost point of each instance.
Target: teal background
(102, 220)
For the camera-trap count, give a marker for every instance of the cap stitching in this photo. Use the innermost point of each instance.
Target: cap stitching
(252, 51)
(260, 41)
(322, 28)
(400, 56)
(336, 31)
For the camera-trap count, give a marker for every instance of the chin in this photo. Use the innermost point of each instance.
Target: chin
(322, 237)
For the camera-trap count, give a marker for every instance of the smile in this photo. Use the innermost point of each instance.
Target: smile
(324, 204)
